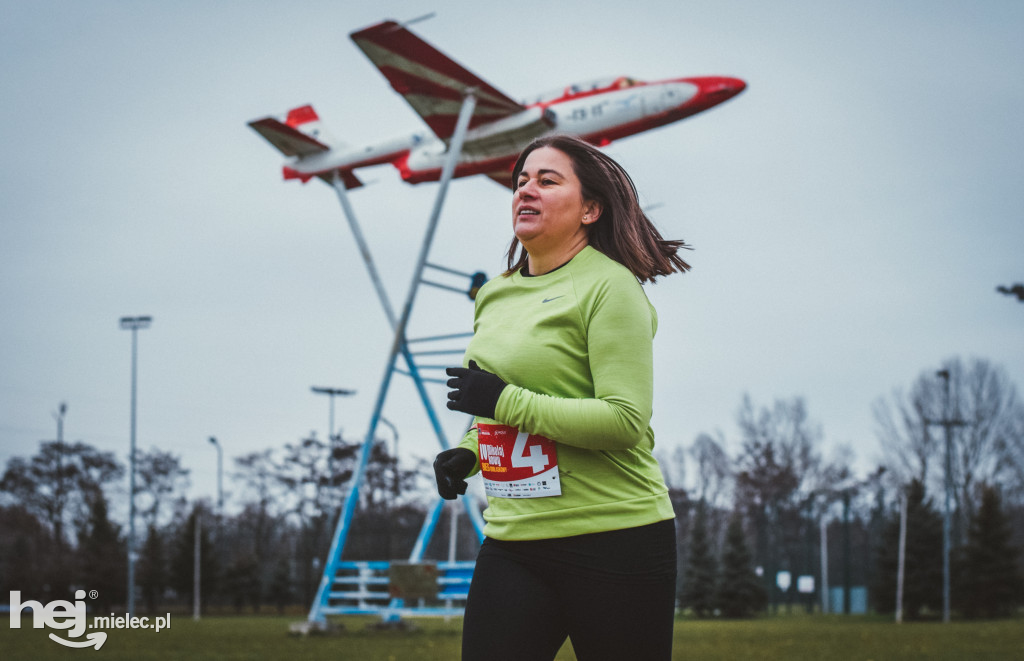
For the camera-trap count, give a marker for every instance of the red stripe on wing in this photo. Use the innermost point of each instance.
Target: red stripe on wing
(400, 47)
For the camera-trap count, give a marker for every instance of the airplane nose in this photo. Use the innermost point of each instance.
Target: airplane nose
(711, 91)
(722, 88)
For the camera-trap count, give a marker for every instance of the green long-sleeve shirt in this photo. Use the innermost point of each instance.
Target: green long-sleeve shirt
(575, 347)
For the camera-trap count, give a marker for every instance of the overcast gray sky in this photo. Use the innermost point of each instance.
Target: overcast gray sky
(852, 211)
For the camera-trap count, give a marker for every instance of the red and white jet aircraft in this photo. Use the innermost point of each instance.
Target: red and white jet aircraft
(434, 85)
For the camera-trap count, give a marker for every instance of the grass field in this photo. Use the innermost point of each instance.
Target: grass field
(783, 637)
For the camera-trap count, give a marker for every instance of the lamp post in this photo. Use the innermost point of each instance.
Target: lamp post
(844, 491)
(134, 324)
(394, 431)
(394, 492)
(59, 417)
(220, 474)
(332, 393)
(947, 423)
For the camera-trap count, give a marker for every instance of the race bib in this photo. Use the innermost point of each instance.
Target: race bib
(515, 464)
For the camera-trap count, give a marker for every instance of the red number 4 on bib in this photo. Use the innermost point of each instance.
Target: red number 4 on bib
(517, 464)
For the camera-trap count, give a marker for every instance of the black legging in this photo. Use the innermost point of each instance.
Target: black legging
(612, 593)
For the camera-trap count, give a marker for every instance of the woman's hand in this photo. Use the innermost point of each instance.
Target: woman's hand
(450, 470)
(476, 391)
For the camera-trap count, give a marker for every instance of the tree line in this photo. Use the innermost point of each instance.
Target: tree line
(764, 501)
(57, 533)
(801, 510)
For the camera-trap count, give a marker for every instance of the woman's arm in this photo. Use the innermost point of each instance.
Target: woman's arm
(620, 329)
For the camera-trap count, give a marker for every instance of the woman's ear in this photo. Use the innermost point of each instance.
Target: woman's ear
(591, 212)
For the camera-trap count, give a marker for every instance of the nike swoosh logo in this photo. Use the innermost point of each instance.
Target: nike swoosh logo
(548, 300)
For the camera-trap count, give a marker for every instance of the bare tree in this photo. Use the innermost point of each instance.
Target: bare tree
(59, 485)
(57, 482)
(161, 481)
(990, 439)
(714, 472)
(987, 431)
(1014, 454)
(904, 433)
(256, 471)
(777, 472)
(673, 467)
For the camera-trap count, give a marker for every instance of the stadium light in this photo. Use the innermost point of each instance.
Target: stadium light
(134, 324)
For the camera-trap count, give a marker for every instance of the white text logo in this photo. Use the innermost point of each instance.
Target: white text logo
(72, 616)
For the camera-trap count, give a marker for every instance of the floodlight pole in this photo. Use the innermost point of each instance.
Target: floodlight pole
(134, 324)
(824, 564)
(220, 475)
(902, 558)
(196, 566)
(947, 423)
(847, 582)
(946, 522)
(59, 417)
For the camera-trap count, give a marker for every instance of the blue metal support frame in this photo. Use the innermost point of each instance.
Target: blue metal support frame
(321, 603)
(362, 589)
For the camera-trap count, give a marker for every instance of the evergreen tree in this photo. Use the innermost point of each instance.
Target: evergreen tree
(58, 485)
(25, 549)
(280, 590)
(242, 582)
(700, 576)
(922, 583)
(740, 592)
(101, 555)
(989, 582)
(183, 562)
(152, 568)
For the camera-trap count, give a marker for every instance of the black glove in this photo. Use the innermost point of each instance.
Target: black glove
(476, 390)
(450, 470)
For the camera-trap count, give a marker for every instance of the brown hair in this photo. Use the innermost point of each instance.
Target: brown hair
(623, 231)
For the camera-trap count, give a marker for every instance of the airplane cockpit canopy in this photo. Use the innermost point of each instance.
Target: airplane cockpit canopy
(614, 82)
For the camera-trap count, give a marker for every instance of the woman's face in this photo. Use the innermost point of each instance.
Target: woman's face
(548, 210)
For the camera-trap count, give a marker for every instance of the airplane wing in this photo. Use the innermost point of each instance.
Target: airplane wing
(288, 140)
(430, 81)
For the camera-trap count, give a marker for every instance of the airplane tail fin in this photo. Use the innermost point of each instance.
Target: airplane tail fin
(301, 134)
(305, 119)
